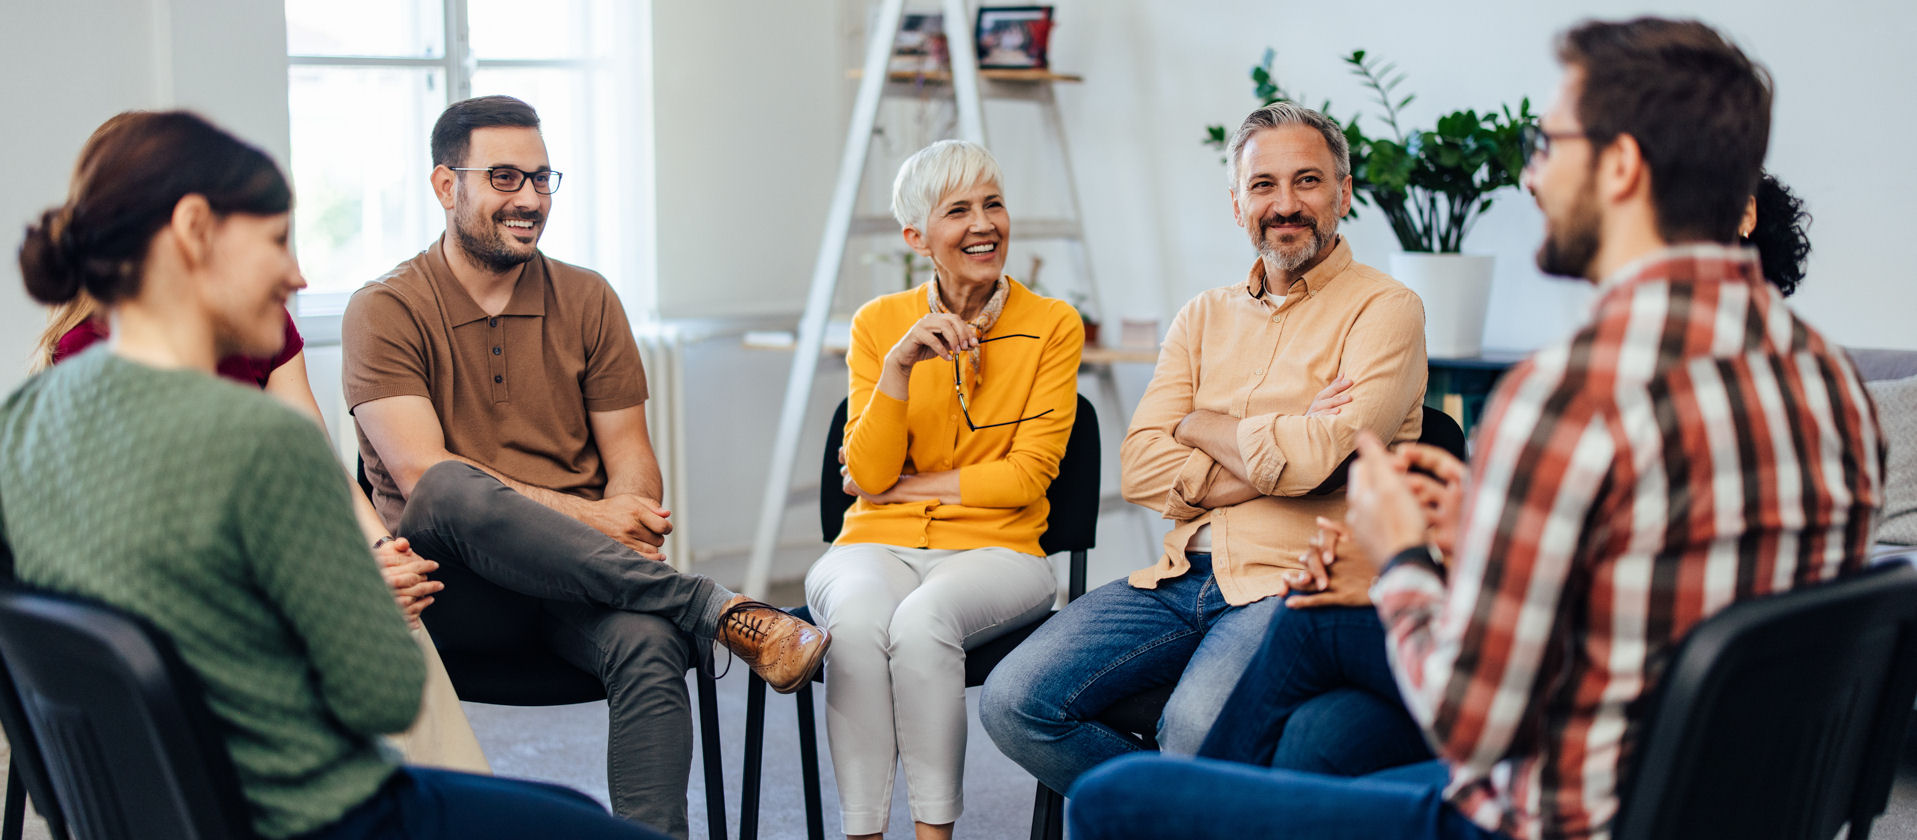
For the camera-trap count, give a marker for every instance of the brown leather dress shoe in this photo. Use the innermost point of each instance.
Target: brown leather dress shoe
(782, 649)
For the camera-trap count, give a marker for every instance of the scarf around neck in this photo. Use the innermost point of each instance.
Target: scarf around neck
(983, 322)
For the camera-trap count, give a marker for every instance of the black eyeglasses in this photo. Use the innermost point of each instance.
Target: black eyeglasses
(1537, 141)
(958, 384)
(507, 179)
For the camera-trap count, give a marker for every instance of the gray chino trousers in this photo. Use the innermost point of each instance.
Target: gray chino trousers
(514, 566)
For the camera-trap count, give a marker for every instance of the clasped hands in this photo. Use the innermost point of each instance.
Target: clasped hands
(1397, 499)
(406, 574)
(635, 521)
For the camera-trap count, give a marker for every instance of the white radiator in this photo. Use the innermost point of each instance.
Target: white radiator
(662, 347)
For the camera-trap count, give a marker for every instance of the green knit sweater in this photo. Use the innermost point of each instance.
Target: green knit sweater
(219, 515)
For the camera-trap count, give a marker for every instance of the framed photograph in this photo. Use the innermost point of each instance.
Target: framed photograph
(1014, 37)
(920, 46)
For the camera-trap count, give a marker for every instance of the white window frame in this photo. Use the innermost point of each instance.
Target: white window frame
(318, 313)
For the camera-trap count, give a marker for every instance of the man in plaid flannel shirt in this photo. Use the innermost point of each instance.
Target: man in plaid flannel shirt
(1693, 445)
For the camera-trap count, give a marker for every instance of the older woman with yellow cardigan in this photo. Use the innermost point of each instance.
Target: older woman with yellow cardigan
(963, 393)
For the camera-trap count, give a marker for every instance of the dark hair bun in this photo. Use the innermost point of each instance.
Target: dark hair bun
(48, 260)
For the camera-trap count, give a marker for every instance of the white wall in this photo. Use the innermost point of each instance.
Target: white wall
(749, 101)
(1156, 73)
(75, 63)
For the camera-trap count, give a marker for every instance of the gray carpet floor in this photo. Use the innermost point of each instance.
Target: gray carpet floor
(567, 744)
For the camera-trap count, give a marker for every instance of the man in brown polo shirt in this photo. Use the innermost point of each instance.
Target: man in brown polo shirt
(1229, 442)
(499, 399)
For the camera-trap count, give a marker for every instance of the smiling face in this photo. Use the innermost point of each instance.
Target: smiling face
(1287, 198)
(497, 230)
(1563, 181)
(966, 236)
(250, 272)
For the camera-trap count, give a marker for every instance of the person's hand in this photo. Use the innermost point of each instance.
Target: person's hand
(406, 574)
(1336, 573)
(940, 335)
(1328, 400)
(1383, 514)
(634, 521)
(1441, 491)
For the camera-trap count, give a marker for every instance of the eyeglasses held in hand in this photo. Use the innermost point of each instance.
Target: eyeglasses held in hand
(958, 384)
(507, 179)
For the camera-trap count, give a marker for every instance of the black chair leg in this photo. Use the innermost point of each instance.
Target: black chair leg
(16, 815)
(754, 758)
(809, 765)
(715, 763)
(1048, 814)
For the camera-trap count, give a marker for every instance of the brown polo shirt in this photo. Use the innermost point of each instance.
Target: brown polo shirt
(1242, 351)
(511, 390)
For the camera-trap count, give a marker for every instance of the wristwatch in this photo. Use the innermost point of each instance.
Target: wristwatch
(1426, 555)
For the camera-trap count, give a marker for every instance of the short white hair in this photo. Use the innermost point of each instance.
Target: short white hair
(935, 171)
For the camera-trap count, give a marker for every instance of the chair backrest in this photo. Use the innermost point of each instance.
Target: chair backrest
(122, 724)
(1780, 717)
(1072, 524)
(1442, 430)
(27, 766)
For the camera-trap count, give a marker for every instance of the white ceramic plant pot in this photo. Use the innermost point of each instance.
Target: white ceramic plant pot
(1456, 289)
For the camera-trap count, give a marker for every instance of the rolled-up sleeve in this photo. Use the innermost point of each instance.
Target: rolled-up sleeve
(1155, 470)
(1384, 357)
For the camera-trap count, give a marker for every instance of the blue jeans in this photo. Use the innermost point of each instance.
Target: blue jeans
(422, 804)
(1319, 697)
(1150, 796)
(1041, 705)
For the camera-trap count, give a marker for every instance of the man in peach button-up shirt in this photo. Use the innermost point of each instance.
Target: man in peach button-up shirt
(1260, 391)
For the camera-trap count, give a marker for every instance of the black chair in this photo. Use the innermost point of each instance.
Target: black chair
(1781, 717)
(1440, 430)
(129, 748)
(26, 769)
(1071, 526)
(488, 638)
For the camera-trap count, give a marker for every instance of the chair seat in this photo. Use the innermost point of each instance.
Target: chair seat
(519, 678)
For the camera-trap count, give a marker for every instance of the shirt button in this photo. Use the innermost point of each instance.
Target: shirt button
(498, 379)
(1274, 319)
(496, 351)
(492, 322)
(1259, 372)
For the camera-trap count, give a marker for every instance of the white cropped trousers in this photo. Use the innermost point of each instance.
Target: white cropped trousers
(901, 620)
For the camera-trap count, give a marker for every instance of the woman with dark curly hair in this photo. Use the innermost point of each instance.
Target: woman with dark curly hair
(1774, 223)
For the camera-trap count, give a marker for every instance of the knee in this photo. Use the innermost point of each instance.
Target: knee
(915, 637)
(445, 488)
(1010, 704)
(1185, 723)
(1111, 790)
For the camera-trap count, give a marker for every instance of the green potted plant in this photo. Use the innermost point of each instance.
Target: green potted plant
(1431, 186)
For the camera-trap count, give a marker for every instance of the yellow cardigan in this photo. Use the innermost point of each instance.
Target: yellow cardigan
(1003, 472)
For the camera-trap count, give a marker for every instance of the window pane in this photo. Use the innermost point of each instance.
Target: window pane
(361, 169)
(562, 29)
(563, 97)
(397, 28)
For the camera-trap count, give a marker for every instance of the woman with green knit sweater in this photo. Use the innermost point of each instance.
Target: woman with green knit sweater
(133, 475)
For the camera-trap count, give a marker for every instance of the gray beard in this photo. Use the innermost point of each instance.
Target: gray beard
(1303, 254)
